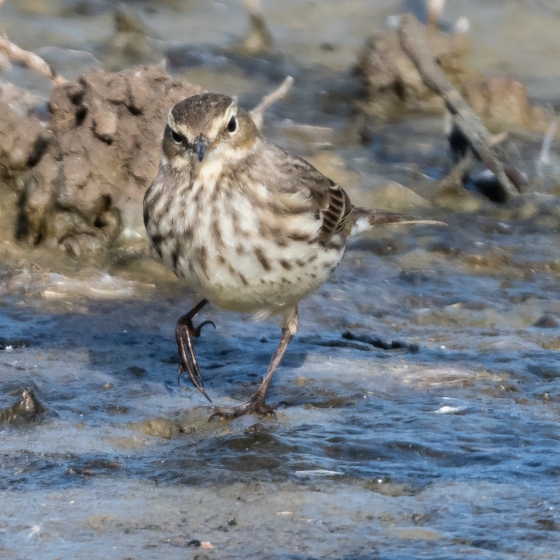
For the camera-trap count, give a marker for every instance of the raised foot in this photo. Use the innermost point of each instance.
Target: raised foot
(187, 360)
(255, 406)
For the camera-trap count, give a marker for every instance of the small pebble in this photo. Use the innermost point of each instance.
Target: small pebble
(547, 321)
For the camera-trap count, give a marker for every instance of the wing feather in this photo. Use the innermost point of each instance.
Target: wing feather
(328, 201)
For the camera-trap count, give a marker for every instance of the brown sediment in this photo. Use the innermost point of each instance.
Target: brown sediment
(394, 84)
(106, 133)
(24, 410)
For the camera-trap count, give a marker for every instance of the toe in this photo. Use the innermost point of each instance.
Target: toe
(257, 406)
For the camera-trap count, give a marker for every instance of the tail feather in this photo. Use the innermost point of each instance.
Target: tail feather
(362, 219)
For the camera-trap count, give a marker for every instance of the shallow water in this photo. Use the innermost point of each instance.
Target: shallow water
(450, 451)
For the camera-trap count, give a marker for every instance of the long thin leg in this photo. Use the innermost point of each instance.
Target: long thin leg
(184, 330)
(257, 403)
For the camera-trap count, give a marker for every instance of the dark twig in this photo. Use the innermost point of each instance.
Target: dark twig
(412, 39)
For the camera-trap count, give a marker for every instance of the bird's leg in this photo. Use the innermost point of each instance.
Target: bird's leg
(187, 360)
(257, 403)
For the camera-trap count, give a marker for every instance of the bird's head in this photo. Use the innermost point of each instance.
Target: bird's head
(203, 126)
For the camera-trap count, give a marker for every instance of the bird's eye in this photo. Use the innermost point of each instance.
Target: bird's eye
(232, 125)
(177, 138)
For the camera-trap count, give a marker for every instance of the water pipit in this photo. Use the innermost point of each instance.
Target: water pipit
(249, 226)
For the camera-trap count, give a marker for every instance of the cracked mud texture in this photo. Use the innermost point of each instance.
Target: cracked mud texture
(106, 131)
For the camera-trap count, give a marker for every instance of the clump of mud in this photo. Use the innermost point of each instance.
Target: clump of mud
(503, 104)
(393, 84)
(23, 136)
(24, 410)
(105, 135)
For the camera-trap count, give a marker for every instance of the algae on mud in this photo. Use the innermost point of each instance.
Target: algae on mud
(24, 410)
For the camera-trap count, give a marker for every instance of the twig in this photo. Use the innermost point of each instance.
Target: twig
(411, 36)
(30, 60)
(497, 139)
(258, 112)
(544, 156)
(252, 6)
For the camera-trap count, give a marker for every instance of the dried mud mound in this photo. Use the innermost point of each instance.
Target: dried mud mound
(393, 84)
(22, 135)
(105, 135)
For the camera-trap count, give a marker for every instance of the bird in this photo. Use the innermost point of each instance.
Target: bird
(247, 225)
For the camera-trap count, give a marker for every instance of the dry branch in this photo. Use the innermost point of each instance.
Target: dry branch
(476, 136)
(30, 60)
(279, 93)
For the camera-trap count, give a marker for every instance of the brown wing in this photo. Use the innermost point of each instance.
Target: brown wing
(330, 202)
(335, 212)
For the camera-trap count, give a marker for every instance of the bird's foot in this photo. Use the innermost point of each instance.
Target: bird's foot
(255, 406)
(187, 360)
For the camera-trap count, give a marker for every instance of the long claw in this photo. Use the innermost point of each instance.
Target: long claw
(195, 379)
(197, 330)
(187, 359)
(257, 404)
(203, 391)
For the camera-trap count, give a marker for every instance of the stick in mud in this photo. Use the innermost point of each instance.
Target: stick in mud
(31, 60)
(465, 122)
(279, 93)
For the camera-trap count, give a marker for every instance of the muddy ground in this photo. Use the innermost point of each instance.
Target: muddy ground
(422, 391)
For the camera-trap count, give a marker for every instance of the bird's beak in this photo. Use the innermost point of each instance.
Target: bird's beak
(201, 145)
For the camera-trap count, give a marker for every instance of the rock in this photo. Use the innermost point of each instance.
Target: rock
(127, 20)
(257, 39)
(502, 103)
(106, 131)
(133, 41)
(547, 321)
(508, 105)
(334, 167)
(397, 198)
(23, 411)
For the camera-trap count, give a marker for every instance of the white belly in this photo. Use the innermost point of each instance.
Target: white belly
(231, 260)
(241, 283)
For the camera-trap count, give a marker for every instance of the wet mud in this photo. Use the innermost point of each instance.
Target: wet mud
(377, 452)
(420, 398)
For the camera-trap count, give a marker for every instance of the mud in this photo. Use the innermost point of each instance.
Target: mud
(393, 85)
(24, 410)
(392, 81)
(106, 132)
(422, 391)
(23, 136)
